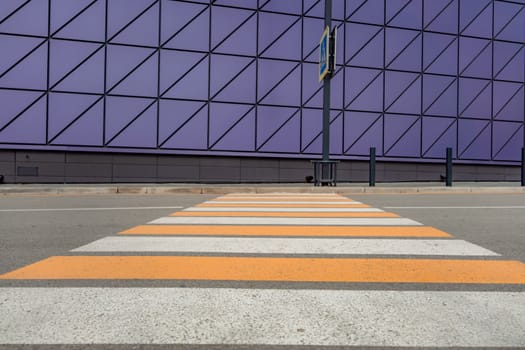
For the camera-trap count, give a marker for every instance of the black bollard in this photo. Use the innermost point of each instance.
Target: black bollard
(449, 166)
(372, 168)
(523, 166)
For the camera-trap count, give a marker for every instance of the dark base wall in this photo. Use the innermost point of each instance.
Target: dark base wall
(75, 167)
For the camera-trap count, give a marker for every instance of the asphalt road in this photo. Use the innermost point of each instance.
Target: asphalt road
(33, 228)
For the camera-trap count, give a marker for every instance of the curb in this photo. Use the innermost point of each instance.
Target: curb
(222, 189)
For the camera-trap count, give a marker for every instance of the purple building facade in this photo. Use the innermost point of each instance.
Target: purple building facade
(238, 78)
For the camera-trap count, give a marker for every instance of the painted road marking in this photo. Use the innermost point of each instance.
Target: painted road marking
(283, 198)
(463, 207)
(287, 210)
(414, 319)
(244, 245)
(281, 202)
(305, 231)
(286, 221)
(287, 215)
(274, 269)
(87, 209)
(265, 205)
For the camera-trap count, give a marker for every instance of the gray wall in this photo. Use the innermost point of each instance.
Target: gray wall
(75, 167)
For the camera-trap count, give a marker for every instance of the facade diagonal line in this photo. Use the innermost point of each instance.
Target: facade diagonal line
(183, 124)
(509, 100)
(402, 135)
(185, 26)
(232, 126)
(474, 99)
(133, 20)
(475, 138)
(22, 112)
(439, 137)
(441, 53)
(404, 48)
(439, 96)
(509, 61)
(439, 13)
(133, 70)
(131, 122)
(508, 140)
(510, 21)
(74, 17)
(278, 129)
(23, 58)
(75, 119)
(364, 132)
(364, 89)
(321, 132)
(403, 92)
(399, 11)
(476, 57)
(14, 12)
(77, 66)
(476, 16)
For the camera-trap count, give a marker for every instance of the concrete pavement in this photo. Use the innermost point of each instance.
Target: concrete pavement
(216, 189)
(307, 285)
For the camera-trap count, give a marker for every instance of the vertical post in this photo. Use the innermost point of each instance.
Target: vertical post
(449, 166)
(326, 89)
(523, 166)
(372, 168)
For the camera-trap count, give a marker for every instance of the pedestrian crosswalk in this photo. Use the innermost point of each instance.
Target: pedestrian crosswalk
(311, 252)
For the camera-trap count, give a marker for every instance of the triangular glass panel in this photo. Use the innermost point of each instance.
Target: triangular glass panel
(64, 10)
(240, 137)
(402, 136)
(19, 46)
(175, 64)
(406, 14)
(440, 53)
(64, 108)
(193, 85)
(509, 61)
(362, 131)
(396, 41)
(474, 98)
(241, 41)
(13, 102)
(173, 114)
(89, 25)
(410, 58)
(194, 36)
(142, 31)
(286, 139)
(439, 95)
(225, 69)
(8, 7)
(66, 55)
(364, 89)
(289, 6)
(271, 26)
(122, 110)
(223, 116)
(89, 77)
(481, 25)
(287, 92)
(508, 101)
(29, 127)
(481, 66)
(366, 11)
(508, 141)
(241, 89)
(470, 9)
(178, 16)
(287, 46)
(402, 86)
(270, 73)
(123, 59)
(226, 21)
(438, 135)
(193, 135)
(142, 82)
(141, 133)
(123, 12)
(29, 20)
(474, 145)
(86, 131)
(442, 16)
(30, 73)
(270, 119)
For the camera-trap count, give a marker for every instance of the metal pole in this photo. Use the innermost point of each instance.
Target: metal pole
(372, 168)
(449, 166)
(523, 166)
(326, 89)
